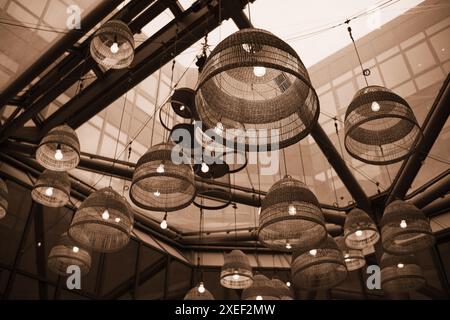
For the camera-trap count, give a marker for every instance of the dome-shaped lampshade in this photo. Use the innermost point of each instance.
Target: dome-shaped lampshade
(103, 222)
(59, 150)
(113, 45)
(405, 229)
(353, 258)
(290, 217)
(400, 273)
(360, 231)
(380, 127)
(161, 185)
(3, 198)
(284, 293)
(183, 102)
(261, 289)
(236, 271)
(318, 267)
(256, 81)
(196, 294)
(68, 253)
(52, 189)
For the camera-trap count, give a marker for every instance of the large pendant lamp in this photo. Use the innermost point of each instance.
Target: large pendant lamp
(261, 289)
(318, 267)
(103, 222)
(113, 45)
(400, 273)
(353, 258)
(3, 198)
(290, 217)
(161, 185)
(236, 272)
(284, 292)
(360, 231)
(253, 80)
(52, 189)
(405, 229)
(68, 253)
(59, 150)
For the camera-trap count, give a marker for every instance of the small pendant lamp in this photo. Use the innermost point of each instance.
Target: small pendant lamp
(68, 253)
(360, 231)
(199, 292)
(236, 272)
(284, 292)
(261, 289)
(3, 199)
(353, 258)
(52, 189)
(400, 273)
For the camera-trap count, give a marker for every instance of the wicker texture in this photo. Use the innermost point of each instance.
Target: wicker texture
(278, 226)
(3, 199)
(193, 294)
(68, 253)
(65, 139)
(353, 258)
(380, 137)
(261, 287)
(400, 273)
(284, 293)
(52, 189)
(230, 92)
(322, 270)
(405, 229)
(183, 103)
(360, 231)
(236, 272)
(92, 229)
(111, 32)
(170, 189)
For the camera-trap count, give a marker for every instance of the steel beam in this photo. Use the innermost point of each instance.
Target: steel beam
(433, 192)
(437, 207)
(41, 259)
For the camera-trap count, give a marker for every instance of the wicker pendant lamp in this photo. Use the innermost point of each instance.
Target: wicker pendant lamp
(68, 253)
(284, 293)
(400, 273)
(261, 289)
(183, 103)
(159, 184)
(103, 222)
(59, 150)
(254, 80)
(236, 272)
(290, 217)
(360, 231)
(113, 45)
(199, 292)
(3, 199)
(52, 189)
(405, 229)
(353, 258)
(318, 267)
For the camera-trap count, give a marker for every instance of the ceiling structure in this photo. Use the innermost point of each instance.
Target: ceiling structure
(53, 82)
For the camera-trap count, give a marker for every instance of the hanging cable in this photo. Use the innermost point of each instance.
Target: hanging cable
(284, 162)
(301, 159)
(365, 72)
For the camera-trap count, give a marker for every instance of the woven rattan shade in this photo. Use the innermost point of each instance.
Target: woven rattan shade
(193, 294)
(170, 189)
(277, 226)
(322, 270)
(67, 253)
(64, 138)
(236, 272)
(284, 293)
(360, 231)
(400, 273)
(231, 95)
(405, 229)
(261, 287)
(102, 231)
(380, 137)
(111, 32)
(353, 258)
(58, 183)
(3, 198)
(183, 103)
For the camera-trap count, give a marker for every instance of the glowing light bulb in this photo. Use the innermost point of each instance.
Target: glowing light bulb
(236, 275)
(156, 193)
(288, 246)
(375, 106)
(117, 220)
(182, 108)
(403, 224)
(400, 265)
(205, 168)
(346, 255)
(259, 71)
(292, 210)
(313, 252)
(259, 211)
(160, 168)
(259, 298)
(347, 260)
(201, 288)
(288, 284)
(247, 47)
(115, 48)
(105, 215)
(359, 233)
(49, 191)
(75, 249)
(58, 154)
(219, 128)
(163, 224)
